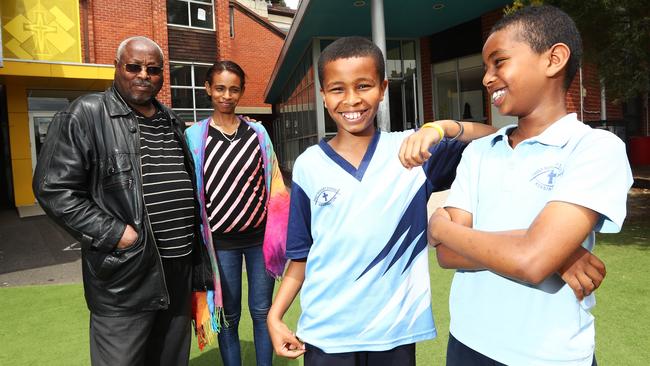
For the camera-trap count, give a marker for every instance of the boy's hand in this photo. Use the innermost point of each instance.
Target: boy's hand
(439, 214)
(285, 343)
(415, 148)
(583, 272)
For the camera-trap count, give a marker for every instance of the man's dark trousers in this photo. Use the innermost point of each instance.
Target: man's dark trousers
(149, 338)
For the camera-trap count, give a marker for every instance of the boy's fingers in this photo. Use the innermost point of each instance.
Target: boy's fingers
(595, 276)
(286, 352)
(292, 347)
(587, 284)
(424, 155)
(598, 264)
(414, 152)
(575, 286)
(291, 353)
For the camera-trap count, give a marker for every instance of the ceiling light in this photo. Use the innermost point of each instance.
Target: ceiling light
(438, 6)
(359, 3)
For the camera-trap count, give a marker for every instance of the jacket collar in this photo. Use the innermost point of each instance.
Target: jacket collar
(118, 107)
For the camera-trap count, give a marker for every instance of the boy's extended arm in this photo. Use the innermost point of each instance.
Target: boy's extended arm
(285, 343)
(582, 271)
(415, 148)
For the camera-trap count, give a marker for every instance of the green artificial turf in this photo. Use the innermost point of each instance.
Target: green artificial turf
(48, 325)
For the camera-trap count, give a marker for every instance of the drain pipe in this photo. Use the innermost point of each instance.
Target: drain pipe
(582, 96)
(647, 117)
(603, 103)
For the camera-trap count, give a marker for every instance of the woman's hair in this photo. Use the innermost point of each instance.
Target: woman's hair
(226, 65)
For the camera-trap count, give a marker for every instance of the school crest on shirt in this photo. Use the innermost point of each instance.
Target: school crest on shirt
(326, 196)
(546, 177)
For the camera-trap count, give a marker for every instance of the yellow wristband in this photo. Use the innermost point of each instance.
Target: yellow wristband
(436, 127)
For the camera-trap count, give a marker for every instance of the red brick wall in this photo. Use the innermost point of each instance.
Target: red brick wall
(427, 82)
(109, 24)
(591, 101)
(255, 48)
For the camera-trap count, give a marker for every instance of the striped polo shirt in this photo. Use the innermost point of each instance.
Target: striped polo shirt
(168, 193)
(235, 190)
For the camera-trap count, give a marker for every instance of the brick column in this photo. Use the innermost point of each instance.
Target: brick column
(222, 26)
(159, 35)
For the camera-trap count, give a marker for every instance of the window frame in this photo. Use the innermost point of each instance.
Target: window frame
(189, 15)
(457, 66)
(192, 87)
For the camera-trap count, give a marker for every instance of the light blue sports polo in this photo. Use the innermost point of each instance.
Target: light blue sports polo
(505, 189)
(363, 232)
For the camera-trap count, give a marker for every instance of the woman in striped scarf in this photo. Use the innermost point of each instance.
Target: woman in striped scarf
(244, 205)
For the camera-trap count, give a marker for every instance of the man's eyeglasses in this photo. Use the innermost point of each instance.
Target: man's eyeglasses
(136, 69)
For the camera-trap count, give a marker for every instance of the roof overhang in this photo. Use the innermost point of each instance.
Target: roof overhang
(65, 70)
(339, 18)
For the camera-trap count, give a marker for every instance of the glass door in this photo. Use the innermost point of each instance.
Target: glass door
(403, 102)
(401, 68)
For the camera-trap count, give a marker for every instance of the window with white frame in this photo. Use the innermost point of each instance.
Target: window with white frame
(191, 13)
(189, 99)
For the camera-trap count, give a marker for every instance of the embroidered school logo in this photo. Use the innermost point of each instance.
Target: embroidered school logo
(546, 177)
(326, 196)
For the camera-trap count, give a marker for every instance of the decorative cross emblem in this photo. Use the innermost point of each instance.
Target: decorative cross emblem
(551, 176)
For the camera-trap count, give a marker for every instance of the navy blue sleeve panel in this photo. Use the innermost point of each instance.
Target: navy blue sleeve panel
(299, 238)
(440, 169)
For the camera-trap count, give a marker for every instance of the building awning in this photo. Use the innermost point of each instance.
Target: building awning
(57, 72)
(339, 18)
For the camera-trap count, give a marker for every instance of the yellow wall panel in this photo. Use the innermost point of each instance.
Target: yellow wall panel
(16, 98)
(22, 174)
(19, 136)
(41, 30)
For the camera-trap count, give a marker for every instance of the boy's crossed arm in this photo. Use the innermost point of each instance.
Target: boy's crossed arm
(285, 342)
(551, 244)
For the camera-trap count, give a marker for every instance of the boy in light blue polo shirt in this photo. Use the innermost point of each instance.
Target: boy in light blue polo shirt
(357, 223)
(524, 199)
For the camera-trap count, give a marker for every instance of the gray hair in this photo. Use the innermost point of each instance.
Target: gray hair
(122, 46)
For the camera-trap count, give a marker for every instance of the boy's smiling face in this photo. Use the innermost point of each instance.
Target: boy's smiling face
(515, 74)
(352, 91)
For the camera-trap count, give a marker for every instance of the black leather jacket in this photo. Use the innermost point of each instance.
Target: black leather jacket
(88, 179)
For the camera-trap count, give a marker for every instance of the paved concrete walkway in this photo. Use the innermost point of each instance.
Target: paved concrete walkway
(641, 176)
(34, 250)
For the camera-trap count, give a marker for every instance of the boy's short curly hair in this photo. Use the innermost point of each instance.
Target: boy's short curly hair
(543, 26)
(349, 47)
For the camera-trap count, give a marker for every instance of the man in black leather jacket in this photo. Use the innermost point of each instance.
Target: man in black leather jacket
(116, 173)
